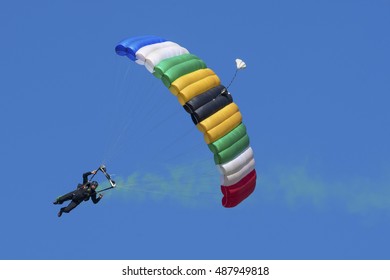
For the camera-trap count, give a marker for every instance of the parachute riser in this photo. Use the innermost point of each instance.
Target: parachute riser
(94, 174)
(104, 189)
(102, 169)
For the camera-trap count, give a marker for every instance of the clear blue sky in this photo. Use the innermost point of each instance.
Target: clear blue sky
(314, 97)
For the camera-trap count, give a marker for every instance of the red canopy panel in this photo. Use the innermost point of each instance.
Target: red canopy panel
(234, 194)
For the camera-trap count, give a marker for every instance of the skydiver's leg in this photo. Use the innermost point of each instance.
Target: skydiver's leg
(68, 208)
(63, 198)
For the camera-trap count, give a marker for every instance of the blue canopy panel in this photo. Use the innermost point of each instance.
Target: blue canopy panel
(130, 46)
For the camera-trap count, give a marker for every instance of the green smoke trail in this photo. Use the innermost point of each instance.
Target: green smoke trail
(195, 184)
(296, 185)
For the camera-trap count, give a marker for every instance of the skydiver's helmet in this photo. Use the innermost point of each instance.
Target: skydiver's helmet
(94, 183)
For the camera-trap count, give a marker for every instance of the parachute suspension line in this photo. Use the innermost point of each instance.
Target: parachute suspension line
(154, 110)
(162, 149)
(197, 147)
(118, 93)
(160, 122)
(178, 138)
(116, 142)
(153, 97)
(139, 109)
(117, 97)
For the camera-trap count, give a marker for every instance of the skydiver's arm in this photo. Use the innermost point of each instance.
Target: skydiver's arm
(85, 176)
(96, 199)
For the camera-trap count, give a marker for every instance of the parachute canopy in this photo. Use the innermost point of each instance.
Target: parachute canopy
(199, 90)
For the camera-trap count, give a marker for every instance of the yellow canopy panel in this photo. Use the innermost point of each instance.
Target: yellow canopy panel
(218, 117)
(198, 88)
(223, 128)
(190, 78)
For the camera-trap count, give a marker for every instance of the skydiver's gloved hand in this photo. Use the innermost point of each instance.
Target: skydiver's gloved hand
(100, 195)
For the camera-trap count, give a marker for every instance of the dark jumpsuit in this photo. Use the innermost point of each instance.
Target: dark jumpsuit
(82, 193)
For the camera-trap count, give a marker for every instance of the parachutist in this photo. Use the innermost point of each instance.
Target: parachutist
(82, 193)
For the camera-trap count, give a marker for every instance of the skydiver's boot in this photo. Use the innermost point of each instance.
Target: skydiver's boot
(59, 200)
(59, 213)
